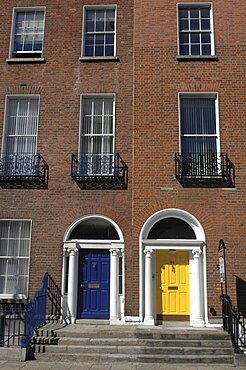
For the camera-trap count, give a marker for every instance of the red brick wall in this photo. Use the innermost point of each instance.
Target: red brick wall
(60, 81)
(150, 110)
(159, 77)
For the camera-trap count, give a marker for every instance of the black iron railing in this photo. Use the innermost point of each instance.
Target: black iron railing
(95, 171)
(23, 170)
(54, 308)
(234, 323)
(209, 169)
(19, 321)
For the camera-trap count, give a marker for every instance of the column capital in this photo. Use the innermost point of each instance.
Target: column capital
(114, 251)
(148, 253)
(196, 253)
(70, 248)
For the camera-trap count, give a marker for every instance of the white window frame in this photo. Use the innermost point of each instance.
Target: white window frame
(214, 95)
(19, 296)
(95, 7)
(19, 96)
(6, 118)
(196, 5)
(12, 36)
(101, 95)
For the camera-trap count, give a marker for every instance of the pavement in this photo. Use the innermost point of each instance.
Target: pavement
(40, 365)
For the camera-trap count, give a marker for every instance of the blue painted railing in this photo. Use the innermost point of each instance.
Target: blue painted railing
(18, 321)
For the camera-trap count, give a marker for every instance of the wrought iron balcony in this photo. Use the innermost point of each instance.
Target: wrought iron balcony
(204, 170)
(23, 171)
(99, 171)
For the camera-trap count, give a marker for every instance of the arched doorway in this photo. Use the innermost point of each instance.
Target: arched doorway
(172, 269)
(92, 280)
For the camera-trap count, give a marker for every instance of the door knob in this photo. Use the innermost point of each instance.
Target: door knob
(82, 285)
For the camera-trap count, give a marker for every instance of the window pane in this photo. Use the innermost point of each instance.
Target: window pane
(184, 49)
(205, 24)
(206, 38)
(110, 20)
(195, 38)
(194, 24)
(99, 51)
(89, 19)
(100, 20)
(205, 12)
(97, 126)
(194, 13)
(109, 51)
(183, 24)
(183, 13)
(206, 50)
(3, 266)
(195, 49)
(198, 116)
(184, 38)
(89, 51)
(99, 39)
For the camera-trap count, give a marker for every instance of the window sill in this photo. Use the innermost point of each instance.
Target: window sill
(99, 59)
(25, 60)
(190, 58)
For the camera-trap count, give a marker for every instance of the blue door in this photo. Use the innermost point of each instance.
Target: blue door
(94, 284)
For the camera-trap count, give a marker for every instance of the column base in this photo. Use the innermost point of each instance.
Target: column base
(148, 321)
(198, 323)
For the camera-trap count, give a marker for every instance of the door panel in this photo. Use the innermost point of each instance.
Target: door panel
(94, 284)
(172, 283)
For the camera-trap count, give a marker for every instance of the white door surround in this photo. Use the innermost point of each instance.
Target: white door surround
(70, 252)
(197, 264)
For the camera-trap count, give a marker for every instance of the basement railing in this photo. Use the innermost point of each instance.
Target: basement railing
(204, 170)
(18, 321)
(234, 323)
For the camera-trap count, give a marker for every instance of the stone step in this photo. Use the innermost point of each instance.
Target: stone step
(141, 333)
(141, 358)
(96, 349)
(142, 342)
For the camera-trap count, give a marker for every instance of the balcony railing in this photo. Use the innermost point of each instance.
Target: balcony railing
(99, 171)
(204, 170)
(23, 171)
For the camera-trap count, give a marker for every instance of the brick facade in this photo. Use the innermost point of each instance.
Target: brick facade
(146, 79)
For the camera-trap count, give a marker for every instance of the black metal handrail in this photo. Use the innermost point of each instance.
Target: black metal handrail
(19, 321)
(204, 165)
(234, 323)
(55, 298)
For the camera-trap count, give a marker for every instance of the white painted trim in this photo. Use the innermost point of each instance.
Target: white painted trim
(8, 97)
(95, 95)
(20, 296)
(12, 33)
(88, 244)
(81, 219)
(85, 7)
(196, 94)
(198, 244)
(199, 5)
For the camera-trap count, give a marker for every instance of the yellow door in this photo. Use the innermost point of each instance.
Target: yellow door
(172, 283)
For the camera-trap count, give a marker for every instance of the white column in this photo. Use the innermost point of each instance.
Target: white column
(64, 267)
(149, 315)
(72, 282)
(114, 260)
(198, 320)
